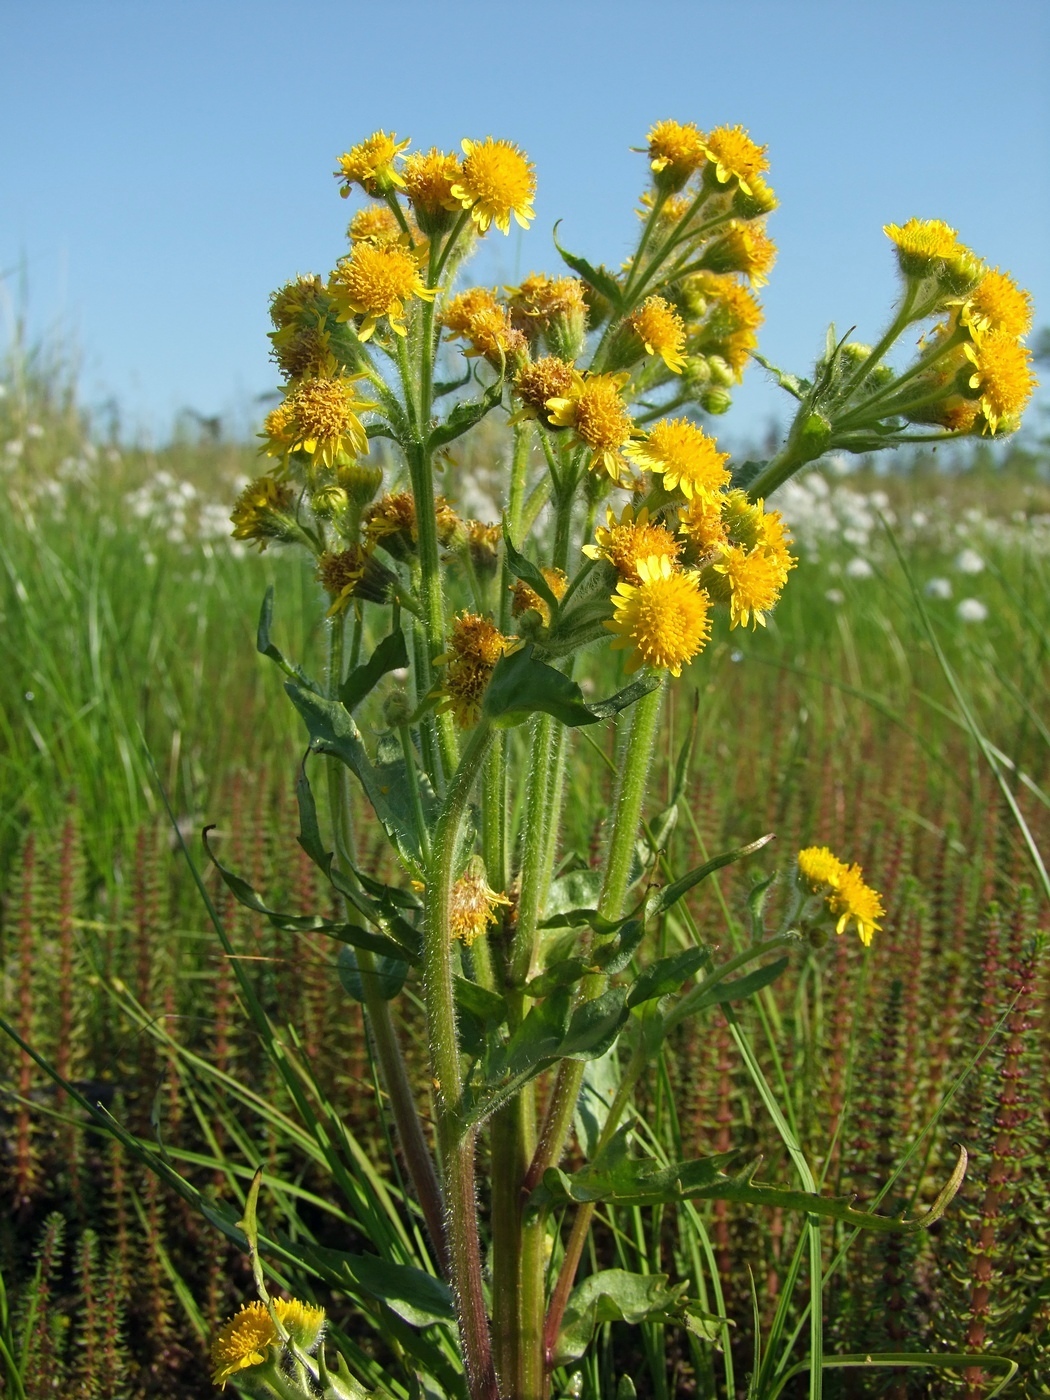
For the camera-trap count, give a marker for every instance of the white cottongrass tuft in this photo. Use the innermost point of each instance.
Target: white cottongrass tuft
(971, 610)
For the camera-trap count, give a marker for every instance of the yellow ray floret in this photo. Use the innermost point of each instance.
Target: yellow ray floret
(595, 410)
(320, 417)
(686, 457)
(661, 330)
(755, 580)
(1002, 376)
(497, 180)
(242, 1342)
(997, 303)
(733, 155)
(848, 898)
(676, 150)
(371, 164)
(376, 280)
(663, 617)
(629, 540)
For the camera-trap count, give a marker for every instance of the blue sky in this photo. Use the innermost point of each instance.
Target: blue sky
(166, 165)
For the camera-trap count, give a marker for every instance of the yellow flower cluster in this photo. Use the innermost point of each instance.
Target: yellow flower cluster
(473, 905)
(848, 898)
(251, 1338)
(983, 378)
(475, 645)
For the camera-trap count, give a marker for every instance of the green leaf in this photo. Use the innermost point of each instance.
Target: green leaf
(672, 893)
(595, 1026)
(538, 1039)
(613, 957)
(611, 1295)
(563, 973)
(390, 655)
(600, 278)
(742, 987)
(529, 573)
(667, 975)
(570, 891)
(265, 646)
(418, 1297)
(332, 731)
(522, 686)
(489, 1008)
(464, 416)
(640, 1182)
(449, 386)
(388, 978)
(605, 709)
(308, 923)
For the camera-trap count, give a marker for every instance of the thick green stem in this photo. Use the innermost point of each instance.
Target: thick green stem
(457, 1146)
(494, 814)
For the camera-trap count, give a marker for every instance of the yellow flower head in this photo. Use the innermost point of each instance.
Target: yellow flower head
(390, 523)
(595, 410)
(303, 1322)
(473, 905)
(484, 542)
(303, 351)
(428, 180)
(477, 317)
(497, 181)
(1002, 376)
(527, 599)
(261, 510)
(756, 201)
(733, 155)
(375, 223)
(279, 430)
(730, 317)
(475, 645)
(929, 247)
(544, 379)
(661, 330)
(847, 896)
(632, 538)
(676, 151)
(745, 248)
(754, 581)
(686, 457)
(326, 425)
(997, 303)
(540, 300)
(371, 165)
(305, 298)
(242, 1342)
(703, 526)
(376, 280)
(339, 572)
(664, 616)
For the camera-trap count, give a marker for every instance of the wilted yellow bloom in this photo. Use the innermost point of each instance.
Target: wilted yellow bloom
(371, 165)
(242, 1342)
(661, 330)
(745, 248)
(526, 598)
(663, 617)
(477, 317)
(632, 538)
(686, 457)
(475, 645)
(497, 180)
(1002, 375)
(676, 151)
(261, 510)
(844, 890)
(304, 298)
(375, 281)
(594, 408)
(702, 524)
(733, 155)
(428, 179)
(324, 420)
(473, 905)
(375, 223)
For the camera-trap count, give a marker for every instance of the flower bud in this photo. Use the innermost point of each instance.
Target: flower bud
(397, 708)
(716, 400)
(721, 371)
(329, 501)
(360, 480)
(754, 203)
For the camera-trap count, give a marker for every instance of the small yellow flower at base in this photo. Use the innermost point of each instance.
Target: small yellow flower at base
(473, 905)
(686, 458)
(733, 155)
(663, 617)
(371, 165)
(376, 280)
(755, 580)
(594, 408)
(303, 1322)
(848, 898)
(475, 645)
(676, 151)
(632, 538)
(661, 330)
(497, 180)
(242, 1342)
(1002, 376)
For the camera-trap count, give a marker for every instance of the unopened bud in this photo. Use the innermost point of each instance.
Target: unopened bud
(360, 480)
(329, 501)
(397, 709)
(721, 371)
(716, 400)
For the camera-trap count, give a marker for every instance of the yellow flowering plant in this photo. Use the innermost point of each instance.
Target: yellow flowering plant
(624, 523)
